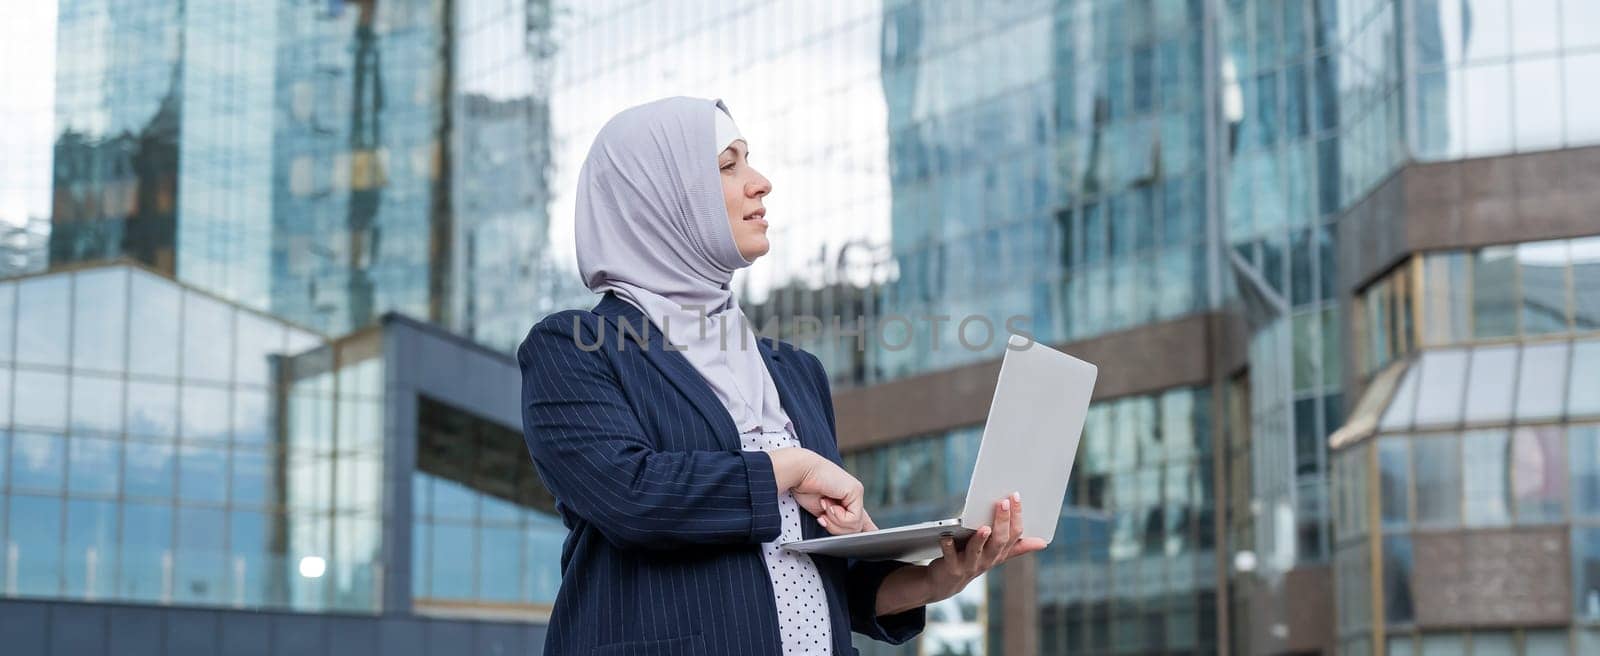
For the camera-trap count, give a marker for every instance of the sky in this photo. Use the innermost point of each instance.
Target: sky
(27, 96)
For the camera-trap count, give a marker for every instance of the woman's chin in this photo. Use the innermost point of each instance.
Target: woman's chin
(754, 247)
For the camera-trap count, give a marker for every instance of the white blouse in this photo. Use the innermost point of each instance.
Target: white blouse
(803, 619)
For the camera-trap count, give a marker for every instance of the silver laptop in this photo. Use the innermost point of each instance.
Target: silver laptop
(1029, 443)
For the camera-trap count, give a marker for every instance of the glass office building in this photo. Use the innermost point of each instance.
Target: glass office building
(1272, 222)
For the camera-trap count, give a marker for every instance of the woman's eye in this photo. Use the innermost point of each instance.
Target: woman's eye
(727, 166)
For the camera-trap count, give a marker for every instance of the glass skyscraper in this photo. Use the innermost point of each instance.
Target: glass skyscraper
(1335, 259)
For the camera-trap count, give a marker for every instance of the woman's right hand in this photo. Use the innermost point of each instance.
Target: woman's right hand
(823, 488)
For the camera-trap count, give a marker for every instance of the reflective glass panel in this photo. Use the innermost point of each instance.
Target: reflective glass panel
(1543, 272)
(152, 409)
(1493, 643)
(94, 465)
(38, 461)
(1437, 464)
(8, 315)
(1542, 385)
(40, 399)
(1538, 474)
(252, 479)
(1586, 282)
(1403, 404)
(146, 562)
(202, 474)
(1397, 564)
(451, 576)
(90, 554)
(207, 338)
(499, 562)
(198, 572)
(1583, 100)
(1440, 392)
(1488, 490)
(1394, 469)
(1445, 310)
(1494, 293)
(1583, 447)
(152, 333)
(205, 413)
(1443, 644)
(1491, 383)
(96, 404)
(149, 470)
(1544, 643)
(99, 322)
(1583, 390)
(33, 555)
(1537, 103)
(1586, 572)
(251, 422)
(42, 320)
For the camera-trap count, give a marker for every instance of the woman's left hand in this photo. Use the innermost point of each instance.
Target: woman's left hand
(990, 546)
(833, 516)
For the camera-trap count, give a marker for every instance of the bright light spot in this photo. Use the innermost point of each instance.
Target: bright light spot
(1244, 561)
(312, 567)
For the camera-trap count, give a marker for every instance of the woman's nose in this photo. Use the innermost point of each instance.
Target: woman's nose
(761, 187)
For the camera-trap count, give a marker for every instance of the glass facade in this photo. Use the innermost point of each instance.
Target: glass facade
(144, 461)
(1527, 291)
(1132, 567)
(485, 534)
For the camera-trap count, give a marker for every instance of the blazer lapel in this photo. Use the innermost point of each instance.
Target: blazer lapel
(677, 368)
(789, 396)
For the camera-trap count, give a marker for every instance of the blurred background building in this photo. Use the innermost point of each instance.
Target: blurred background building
(1339, 263)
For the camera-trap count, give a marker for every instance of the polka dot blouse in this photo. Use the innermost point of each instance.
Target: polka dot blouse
(796, 586)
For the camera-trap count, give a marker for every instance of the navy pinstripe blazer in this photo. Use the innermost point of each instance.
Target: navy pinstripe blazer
(666, 513)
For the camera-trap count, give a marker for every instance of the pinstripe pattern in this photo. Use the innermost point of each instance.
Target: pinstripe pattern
(666, 513)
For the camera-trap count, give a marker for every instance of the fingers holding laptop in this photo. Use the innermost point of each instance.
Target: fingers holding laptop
(991, 545)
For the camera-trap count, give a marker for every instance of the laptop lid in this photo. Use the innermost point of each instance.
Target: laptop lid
(1031, 437)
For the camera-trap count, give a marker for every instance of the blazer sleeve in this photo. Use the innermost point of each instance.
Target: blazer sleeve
(593, 453)
(864, 577)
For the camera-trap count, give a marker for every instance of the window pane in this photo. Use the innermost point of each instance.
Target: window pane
(1440, 392)
(205, 413)
(1394, 469)
(1401, 406)
(207, 338)
(41, 399)
(1543, 268)
(1493, 643)
(1443, 644)
(452, 576)
(252, 478)
(152, 409)
(1438, 470)
(251, 424)
(94, 466)
(1583, 100)
(1494, 293)
(1490, 386)
(1538, 475)
(202, 474)
(499, 562)
(149, 470)
(1584, 454)
(42, 320)
(1483, 455)
(99, 325)
(252, 562)
(1541, 387)
(34, 552)
(91, 549)
(1397, 578)
(1445, 308)
(1537, 103)
(1488, 111)
(1544, 643)
(8, 315)
(146, 552)
(1586, 572)
(96, 404)
(1492, 39)
(1586, 282)
(152, 333)
(37, 461)
(198, 575)
(1583, 391)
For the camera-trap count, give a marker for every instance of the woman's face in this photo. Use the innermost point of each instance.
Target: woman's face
(742, 189)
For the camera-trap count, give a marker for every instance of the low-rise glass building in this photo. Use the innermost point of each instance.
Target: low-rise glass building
(173, 462)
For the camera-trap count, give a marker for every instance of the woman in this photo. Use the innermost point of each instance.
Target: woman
(681, 449)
